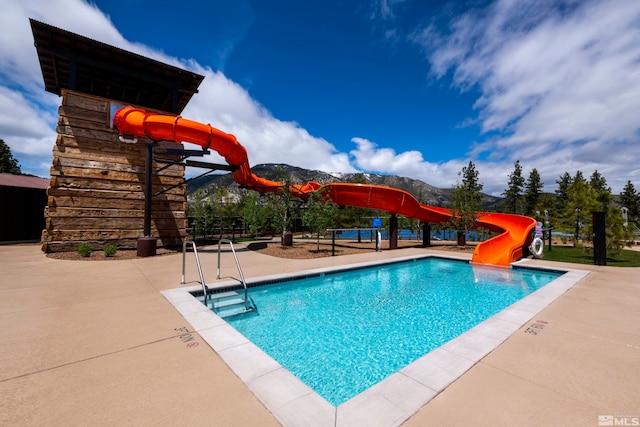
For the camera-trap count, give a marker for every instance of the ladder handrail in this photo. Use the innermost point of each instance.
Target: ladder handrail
(195, 252)
(235, 257)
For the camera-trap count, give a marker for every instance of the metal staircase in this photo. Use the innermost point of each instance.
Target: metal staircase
(225, 303)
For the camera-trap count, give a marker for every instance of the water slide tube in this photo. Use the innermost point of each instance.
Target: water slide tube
(515, 230)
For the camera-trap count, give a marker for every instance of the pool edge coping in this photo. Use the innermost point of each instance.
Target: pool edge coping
(391, 401)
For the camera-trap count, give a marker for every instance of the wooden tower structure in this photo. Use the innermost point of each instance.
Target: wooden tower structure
(105, 190)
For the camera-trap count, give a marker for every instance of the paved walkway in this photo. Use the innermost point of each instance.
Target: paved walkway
(95, 343)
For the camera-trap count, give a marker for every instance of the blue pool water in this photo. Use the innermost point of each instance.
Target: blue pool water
(341, 333)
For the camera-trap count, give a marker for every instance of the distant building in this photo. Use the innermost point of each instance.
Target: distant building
(22, 203)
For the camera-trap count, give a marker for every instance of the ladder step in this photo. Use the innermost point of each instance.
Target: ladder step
(234, 311)
(223, 295)
(226, 302)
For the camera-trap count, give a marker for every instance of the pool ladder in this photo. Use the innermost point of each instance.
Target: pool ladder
(224, 304)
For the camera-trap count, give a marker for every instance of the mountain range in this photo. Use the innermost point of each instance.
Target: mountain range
(429, 194)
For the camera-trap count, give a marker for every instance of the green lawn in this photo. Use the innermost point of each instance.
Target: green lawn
(623, 258)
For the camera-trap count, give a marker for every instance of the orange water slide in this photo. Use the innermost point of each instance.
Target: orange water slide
(516, 234)
(515, 230)
(139, 122)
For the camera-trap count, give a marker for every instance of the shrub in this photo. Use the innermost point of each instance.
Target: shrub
(110, 250)
(84, 249)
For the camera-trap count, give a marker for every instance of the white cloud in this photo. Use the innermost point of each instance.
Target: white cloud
(26, 129)
(367, 156)
(226, 105)
(384, 9)
(17, 50)
(28, 113)
(559, 82)
(559, 91)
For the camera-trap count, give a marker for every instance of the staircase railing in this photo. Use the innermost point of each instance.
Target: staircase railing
(235, 257)
(205, 290)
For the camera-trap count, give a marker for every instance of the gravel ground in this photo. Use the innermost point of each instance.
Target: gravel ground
(301, 249)
(309, 249)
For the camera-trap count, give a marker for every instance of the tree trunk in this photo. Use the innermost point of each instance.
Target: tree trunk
(462, 238)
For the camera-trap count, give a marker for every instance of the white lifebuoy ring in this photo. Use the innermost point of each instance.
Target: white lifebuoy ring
(378, 241)
(537, 247)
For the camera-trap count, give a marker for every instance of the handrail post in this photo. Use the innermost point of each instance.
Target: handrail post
(184, 260)
(219, 245)
(204, 285)
(235, 257)
(198, 266)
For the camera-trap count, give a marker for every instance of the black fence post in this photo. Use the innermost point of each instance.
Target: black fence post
(426, 235)
(393, 232)
(599, 238)
(333, 243)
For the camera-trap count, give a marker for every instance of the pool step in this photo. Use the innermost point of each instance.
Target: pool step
(236, 310)
(230, 303)
(225, 301)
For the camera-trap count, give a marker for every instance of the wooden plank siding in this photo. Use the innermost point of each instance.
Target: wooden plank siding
(96, 191)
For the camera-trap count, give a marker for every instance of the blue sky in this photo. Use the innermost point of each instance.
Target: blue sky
(403, 87)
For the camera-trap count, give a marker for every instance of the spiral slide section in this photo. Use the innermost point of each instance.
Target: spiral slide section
(515, 230)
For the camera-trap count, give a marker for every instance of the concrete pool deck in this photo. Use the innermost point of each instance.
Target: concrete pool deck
(86, 343)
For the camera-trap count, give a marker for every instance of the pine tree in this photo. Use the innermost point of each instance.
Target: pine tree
(616, 233)
(603, 191)
(513, 194)
(630, 199)
(7, 163)
(533, 192)
(564, 183)
(466, 202)
(471, 184)
(599, 183)
(581, 201)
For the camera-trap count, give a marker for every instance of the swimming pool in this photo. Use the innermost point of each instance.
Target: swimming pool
(389, 402)
(341, 333)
